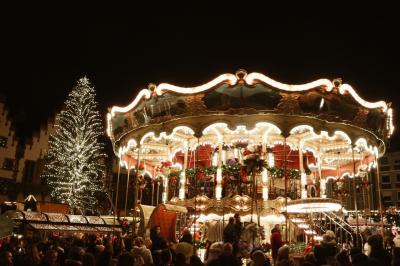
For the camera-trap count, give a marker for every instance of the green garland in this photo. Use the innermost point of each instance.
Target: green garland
(277, 172)
(234, 170)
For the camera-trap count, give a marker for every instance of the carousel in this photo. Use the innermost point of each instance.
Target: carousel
(245, 143)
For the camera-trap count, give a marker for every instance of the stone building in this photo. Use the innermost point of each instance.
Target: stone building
(8, 151)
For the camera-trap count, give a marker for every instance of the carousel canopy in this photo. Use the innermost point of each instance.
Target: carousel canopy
(164, 118)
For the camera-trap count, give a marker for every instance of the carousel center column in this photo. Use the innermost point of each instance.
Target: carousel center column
(218, 187)
(322, 180)
(182, 178)
(264, 174)
(303, 177)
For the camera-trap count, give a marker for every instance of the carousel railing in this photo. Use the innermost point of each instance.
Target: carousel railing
(343, 230)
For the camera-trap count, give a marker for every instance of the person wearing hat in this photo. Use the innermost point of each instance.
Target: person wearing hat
(325, 252)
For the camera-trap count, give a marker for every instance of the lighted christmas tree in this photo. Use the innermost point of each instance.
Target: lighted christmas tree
(74, 168)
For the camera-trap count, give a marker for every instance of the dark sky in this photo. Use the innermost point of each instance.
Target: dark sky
(121, 48)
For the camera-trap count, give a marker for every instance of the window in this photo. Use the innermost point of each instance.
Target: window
(387, 198)
(384, 160)
(398, 179)
(384, 168)
(397, 161)
(8, 164)
(385, 179)
(29, 171)
(3, 142)
(397, 166)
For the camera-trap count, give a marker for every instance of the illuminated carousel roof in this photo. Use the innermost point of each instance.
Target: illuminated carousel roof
(248, 102)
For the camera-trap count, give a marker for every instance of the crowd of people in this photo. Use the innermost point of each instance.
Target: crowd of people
(95, 250)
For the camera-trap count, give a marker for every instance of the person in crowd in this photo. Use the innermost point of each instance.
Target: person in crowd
(186, 249)
(360, 259)
(88, 259)
(180, 260)
(310, 258)
(238, 232)
(342, 259)
(325, 252)
(227, 257)
(353, 252)
(32, 256)
(91, 244)
(105, 257)
(186, 237)
(283, 257)
(166, 258)
(378, 253)
(276, 241)
(395, 256)
(51, 258)
(259, 259)
(139, 248)
(6, 258)
(229, 234)
(195, 261)
(158, 243)
(366, 248)
(172, 248)
(214, 252)
(396, 239)
(126, 259)
(74, 257)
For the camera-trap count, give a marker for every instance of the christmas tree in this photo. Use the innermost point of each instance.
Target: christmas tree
(75, 168)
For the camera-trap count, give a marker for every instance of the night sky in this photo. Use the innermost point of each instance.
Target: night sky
(46, 48)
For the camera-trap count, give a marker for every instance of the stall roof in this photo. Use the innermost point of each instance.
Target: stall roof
(6, 226)
(57, 217)
(77, 219)
(63, 222)
(95, 220)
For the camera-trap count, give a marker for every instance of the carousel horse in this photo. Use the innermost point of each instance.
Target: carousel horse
(251, 238)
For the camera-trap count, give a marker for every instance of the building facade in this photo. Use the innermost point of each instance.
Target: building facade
(390, 178)
(8, 151)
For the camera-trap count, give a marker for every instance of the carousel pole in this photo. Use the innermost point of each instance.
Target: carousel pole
(303, 181)
(264, 174)
(369, 192)
(285, 175)
(135, 193)
(158, 191)
(116, 193)
(322, 182)
(153, 178)
(218, 187)
(378, 178)
(165, 194)
(182, 180)
(355, 195)
(127, 190)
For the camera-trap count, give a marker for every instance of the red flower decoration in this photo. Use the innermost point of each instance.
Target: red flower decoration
(243, 176)
(173, 179)
(166, 164)
(200, 176)
(246, 152)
